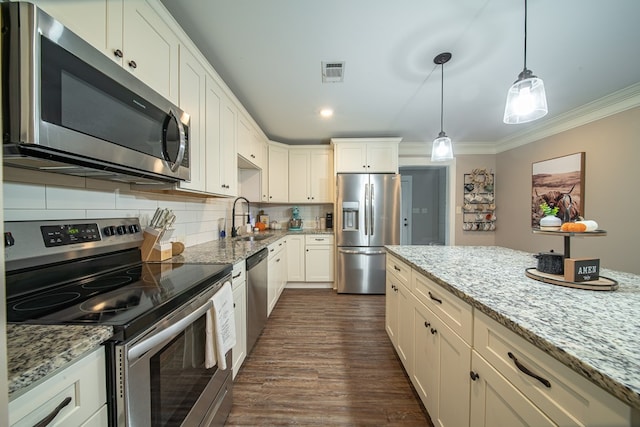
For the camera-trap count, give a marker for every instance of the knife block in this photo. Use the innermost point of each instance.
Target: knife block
(153, 249)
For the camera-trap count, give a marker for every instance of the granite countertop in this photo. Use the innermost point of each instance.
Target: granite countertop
(595, 333)
(232, 250)
(36, 351)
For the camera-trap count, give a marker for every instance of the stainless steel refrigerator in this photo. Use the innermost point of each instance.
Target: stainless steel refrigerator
(367, 218)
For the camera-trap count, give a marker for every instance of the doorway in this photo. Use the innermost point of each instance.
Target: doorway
(423, 205)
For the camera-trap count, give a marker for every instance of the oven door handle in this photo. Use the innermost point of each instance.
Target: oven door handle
(166, 334)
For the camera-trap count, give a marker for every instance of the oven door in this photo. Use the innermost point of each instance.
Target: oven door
(161, 379)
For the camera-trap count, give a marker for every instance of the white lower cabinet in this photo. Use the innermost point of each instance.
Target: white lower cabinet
(239, 282)
(561, 394)
(496, 402)
(277, 273)
(80, 390)
(441, 368)
(469, 370)
(295, 258)
(318, 258)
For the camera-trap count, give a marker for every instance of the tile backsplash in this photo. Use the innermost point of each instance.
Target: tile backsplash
(30, 195)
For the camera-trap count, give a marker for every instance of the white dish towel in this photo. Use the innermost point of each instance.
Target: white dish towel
(221, 328)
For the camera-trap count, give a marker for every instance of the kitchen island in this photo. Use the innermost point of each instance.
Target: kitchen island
(595, 333)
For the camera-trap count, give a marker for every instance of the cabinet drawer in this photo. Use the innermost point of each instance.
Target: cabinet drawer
(238, 275)
(399, 269)
(563, 395)
(82, 384)
(320, 239)
(275, 248)
(457, 314)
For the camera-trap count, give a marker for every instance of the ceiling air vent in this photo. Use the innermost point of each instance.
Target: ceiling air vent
(332, 72)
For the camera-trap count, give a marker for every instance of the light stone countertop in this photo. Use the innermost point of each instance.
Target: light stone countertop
(36, 351)
(595, 333)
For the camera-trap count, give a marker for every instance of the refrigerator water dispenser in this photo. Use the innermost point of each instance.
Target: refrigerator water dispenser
(350, 214)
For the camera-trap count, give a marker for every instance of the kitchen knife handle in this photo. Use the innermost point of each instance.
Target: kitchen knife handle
(528, 372)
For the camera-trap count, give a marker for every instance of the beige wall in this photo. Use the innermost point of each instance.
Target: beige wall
(612, 190)
(465, 164)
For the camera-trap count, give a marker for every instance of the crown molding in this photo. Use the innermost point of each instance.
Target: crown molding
(609, 105)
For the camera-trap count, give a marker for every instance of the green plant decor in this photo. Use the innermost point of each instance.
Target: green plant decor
(548, 210)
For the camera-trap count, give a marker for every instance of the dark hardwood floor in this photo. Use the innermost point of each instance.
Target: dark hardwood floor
(325, 359)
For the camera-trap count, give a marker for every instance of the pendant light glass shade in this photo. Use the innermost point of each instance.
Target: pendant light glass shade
(442, 148)
(526, 99)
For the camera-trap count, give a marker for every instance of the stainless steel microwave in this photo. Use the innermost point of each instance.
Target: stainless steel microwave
(68, 108)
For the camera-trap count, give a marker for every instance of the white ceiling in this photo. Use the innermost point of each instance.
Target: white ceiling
(269, 52)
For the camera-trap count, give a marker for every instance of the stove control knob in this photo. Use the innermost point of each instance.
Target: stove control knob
(8, 239)
(134, 228)
(110, 230)
(121, 229)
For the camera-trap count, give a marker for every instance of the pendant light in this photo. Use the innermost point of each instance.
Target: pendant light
(442, 149)
(526, 99)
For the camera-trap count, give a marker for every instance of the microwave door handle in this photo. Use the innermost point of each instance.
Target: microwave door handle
(168, 333)
(183, 139)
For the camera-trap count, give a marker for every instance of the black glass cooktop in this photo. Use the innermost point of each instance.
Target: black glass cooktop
(128, 298)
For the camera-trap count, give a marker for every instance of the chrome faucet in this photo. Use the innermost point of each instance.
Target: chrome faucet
(234, 231)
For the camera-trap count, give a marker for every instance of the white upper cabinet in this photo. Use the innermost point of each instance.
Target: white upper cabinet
(366, 155)
(278, 173)
(149, 48)
(250, 146)
(310, 175)
(193, 77)
(133, 33)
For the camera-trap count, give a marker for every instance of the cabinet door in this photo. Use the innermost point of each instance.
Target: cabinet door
(150, 48)
(239, 351)
(264, 174)
(319, 263)
(88, 19)
(351, 157)
(228, 156)
(495, 402)
(441, 369)
(244, 139)
(405, 328)
(192, 100)
(320, 179)
(299, 176)
(391, 309)
(213, 131)
(382, 157)
(295, 259)
(278, 174)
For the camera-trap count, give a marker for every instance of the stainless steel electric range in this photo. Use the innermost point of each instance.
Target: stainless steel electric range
(89, 272)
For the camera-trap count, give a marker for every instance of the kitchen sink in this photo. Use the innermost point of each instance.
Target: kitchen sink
(255, 238)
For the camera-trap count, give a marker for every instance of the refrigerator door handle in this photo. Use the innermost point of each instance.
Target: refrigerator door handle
(355, 252)
(366, 209)
(371, 198)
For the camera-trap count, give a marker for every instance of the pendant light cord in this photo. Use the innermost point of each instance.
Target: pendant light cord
(525, 34)
(441, 98)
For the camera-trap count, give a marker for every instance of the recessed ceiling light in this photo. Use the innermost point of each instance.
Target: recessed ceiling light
(326, 112)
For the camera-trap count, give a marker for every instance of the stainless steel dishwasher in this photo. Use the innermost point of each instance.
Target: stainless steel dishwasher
(256, 296)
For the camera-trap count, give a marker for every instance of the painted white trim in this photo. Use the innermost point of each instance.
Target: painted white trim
(609, 105)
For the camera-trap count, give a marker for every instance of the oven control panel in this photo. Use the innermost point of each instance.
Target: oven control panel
(59, 235)
(30, 243)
